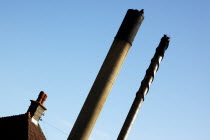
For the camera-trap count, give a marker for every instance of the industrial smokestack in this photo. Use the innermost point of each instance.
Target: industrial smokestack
(144, 88)
(106, 76)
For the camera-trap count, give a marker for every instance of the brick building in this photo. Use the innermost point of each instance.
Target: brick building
(25, 126)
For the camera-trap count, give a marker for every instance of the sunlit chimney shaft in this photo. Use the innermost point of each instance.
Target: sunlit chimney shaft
(106, 76)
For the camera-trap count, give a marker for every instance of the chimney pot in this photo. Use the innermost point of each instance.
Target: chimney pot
(42, 97)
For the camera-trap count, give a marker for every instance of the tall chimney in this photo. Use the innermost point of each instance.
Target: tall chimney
(106, 76)
(144, 88)
(37, 108)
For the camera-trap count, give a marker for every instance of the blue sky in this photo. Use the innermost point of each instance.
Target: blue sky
(59, 47)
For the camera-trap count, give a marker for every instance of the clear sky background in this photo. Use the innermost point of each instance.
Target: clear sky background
(58, 46)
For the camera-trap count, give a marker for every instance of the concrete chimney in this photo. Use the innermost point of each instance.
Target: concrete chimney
(37, 108)
(106, 76)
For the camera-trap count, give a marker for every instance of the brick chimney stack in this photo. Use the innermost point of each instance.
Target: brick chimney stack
(37, 108)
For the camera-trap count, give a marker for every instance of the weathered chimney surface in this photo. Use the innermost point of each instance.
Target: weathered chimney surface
(130, 25)
(36, 109)
(106, 76)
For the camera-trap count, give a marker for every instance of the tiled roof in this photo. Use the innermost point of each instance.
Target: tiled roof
(20, 127)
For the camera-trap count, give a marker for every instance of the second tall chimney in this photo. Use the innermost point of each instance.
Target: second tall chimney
(106, 76)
